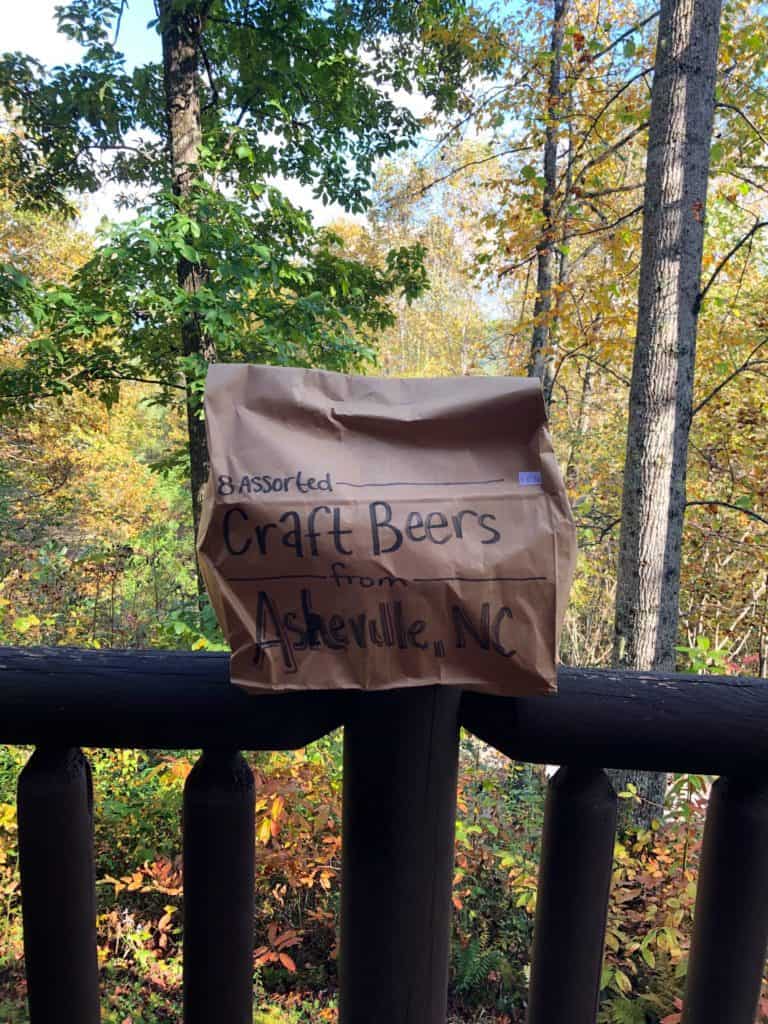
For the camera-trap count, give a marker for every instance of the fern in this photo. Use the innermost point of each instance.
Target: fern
(620, 1010)
(626, 1012)
(472, 965)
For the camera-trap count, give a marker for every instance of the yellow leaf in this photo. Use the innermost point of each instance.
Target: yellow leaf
(25, 622)
(278, 805)
(622, 982)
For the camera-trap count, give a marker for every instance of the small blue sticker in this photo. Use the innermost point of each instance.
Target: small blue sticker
(528, 479)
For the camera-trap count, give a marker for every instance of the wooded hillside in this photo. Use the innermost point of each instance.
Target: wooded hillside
(570, 189)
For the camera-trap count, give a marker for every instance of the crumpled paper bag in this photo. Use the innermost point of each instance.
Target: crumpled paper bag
(365, 532)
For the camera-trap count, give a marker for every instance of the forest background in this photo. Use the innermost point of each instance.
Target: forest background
(424, 261)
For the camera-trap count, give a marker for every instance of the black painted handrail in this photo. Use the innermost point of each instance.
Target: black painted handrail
(177, 699)
(397, 837)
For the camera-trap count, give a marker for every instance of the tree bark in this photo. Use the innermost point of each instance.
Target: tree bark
(582, 425)
(661, 393)
(762, 643)
(540, 364)
(181, 33)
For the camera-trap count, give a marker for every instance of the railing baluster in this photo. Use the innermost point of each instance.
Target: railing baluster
(218, 890)
(574, 882)
(400, 770)
(730, 932)
(55, 812)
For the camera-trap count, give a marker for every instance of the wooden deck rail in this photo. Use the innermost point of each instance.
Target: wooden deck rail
(400, 765)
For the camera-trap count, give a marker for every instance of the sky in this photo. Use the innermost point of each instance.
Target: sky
(30, 27)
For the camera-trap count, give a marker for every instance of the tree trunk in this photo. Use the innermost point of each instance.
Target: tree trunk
(181, 32)
(582, 425)
(762, 643)
(540, 364)
(661, 394)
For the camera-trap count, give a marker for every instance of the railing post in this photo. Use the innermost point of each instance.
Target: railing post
(55, 813)
(730, 931)
(571, 908)
(400, 773)
(218, 890)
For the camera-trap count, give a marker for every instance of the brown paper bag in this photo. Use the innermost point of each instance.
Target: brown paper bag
(364, 532)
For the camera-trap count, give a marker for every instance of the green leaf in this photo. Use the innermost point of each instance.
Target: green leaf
(188, 252)
(622, 982)
(24, 623)
(647, 954)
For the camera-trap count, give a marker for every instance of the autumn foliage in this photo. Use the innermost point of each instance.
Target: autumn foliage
(435, 275)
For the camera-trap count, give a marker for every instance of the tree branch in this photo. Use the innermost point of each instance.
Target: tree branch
(603, 531)
(141, 380)
(607, 227)
(510, 267)
(747, 120)
(587, 133)
(79, 385)
(625, 35)
(577, 354)
(746, 365)
(462, 167)
(734, 508)
(610, 191)
(606, 153)
(119, 21)
(211, 79)
(729, 255)
(749, 181)
(453, 129)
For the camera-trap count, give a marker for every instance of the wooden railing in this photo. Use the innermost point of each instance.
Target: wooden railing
(400, 770)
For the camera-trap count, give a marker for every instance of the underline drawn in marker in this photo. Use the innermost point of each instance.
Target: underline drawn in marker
(420, 483)
(265, 579)
(478, 579)
(417, 579)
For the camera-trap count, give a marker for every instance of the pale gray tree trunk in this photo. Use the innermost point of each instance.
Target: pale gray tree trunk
(540, 363)
(582, 426)
(661, 394)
